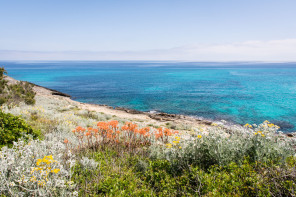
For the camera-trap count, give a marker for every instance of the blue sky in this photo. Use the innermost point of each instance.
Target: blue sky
(212, 30)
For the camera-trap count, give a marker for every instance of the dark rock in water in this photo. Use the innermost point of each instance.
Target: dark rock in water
(171, 117)
(206, 122)
(289, 134)
(164, 116)
(54, 92)
(107, 106)
(283, 124)
(131, 111)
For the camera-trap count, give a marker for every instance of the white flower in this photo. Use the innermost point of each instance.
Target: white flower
(89, 163)
(75, 193)
(60, 183)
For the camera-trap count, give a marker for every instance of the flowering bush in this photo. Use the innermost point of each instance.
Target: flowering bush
(128, 135)
(216, 146)
(39, 168)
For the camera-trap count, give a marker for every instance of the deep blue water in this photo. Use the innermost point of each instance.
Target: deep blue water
(237, 92)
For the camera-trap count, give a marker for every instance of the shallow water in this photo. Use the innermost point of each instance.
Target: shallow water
(238, 92)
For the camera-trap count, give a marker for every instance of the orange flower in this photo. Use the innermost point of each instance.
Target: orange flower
(79, 128)
(87, 133)
(109, 135)
(167, 132)
(103, 125)
(113, 123)
(129, 127)
(124, 127)
(66, 141)
(144, 131)
(159, 129)
(158, 135)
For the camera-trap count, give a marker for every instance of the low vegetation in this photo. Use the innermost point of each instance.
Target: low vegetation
(93, 154)
(252, 161)
(13, 94)
(13, 128)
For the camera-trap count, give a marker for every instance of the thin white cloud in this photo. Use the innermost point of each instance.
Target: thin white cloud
(274, 50)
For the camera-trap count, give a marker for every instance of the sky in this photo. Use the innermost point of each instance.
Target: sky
(186, 30)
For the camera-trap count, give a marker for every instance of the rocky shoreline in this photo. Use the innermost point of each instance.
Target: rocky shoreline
(161, 117)
(158, 116)
(53, 92)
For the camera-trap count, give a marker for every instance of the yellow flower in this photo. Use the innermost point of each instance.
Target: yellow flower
(180, 147)
(45, 160)
(248, 125)
(37, 169)
(199, 136)
(262, 135)
(38, 162)
(177, 138)
(55, 171)
(169, 145)
(255, 133)
(33, 178)
(49, 157)
(176, 142)
(270, 125)
(260, 132)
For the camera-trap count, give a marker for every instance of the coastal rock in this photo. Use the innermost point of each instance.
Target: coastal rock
(107, 106)
(206, 122)
(53, 92)
(283, 124)
(175, 117)
(60, 94)
(290, 135)
(164, 116)
(131, 111)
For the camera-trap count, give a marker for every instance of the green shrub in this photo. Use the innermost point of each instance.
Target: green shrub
(280, 180)
(12, 128)
(15, 93)
(166, 181)
(231, 180)
(245, 179)
(21, 91)
(114, 176)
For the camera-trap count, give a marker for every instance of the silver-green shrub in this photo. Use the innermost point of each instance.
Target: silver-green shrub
(218, 145)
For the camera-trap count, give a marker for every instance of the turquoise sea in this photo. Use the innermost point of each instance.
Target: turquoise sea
(241, 92)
